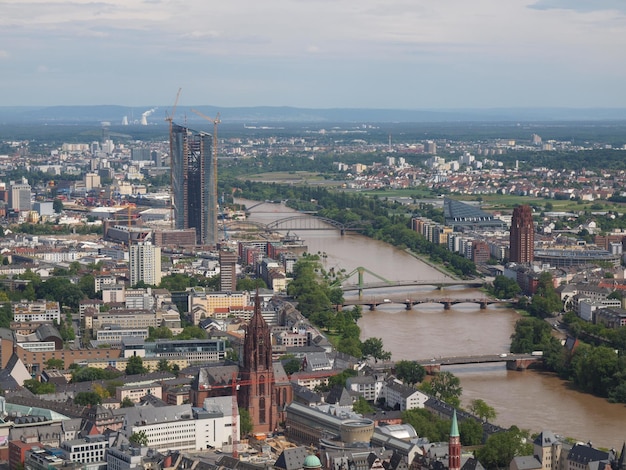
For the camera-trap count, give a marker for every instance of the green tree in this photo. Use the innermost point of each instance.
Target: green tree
(87, 398)
(90, 374)
(245, 422)
(127, 403)
(501, 447)
(292, 365)
(531, 334)
(410, 372)
(57, 205)
(481, 409)
(192, 332)
(373, 347)
(135, 366)
(427, 424)
(545, 302)
(444, 386)
(164, 366)
(62, 291)
(54, 363)
(362, 406)
(471, 432)
(87, 285)
(505, 288)
(249, 284)
(177, 282)
(139, 438)
(161, 332)
(39, 388)
(232, 355)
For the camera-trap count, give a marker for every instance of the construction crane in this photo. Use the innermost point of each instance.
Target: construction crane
(234, 385)
(170, 119)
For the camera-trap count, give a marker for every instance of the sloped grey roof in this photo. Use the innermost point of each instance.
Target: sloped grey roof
(150, 414)
(585, 453)
(472, 464)
(527, 462)
(339, 396)
(545, 439)
(292, 458)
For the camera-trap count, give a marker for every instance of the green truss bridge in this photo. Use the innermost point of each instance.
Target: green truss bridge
(381, 282)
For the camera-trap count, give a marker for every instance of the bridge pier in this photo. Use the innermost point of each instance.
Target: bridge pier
(409, 305)
(483, 305)
(446, 305)
(372, 307)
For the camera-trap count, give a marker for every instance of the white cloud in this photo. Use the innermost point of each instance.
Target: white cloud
(285, 43)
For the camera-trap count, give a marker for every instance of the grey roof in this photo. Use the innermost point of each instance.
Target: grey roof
(527, 462)
(404, 390)
(317, 360)
(471, 464)
(280, 376)
(71, 425)
(401, 431)
(217, 375)
(545, 439)
(150, 414)
(457, 213)
(361, 379)
(292, 458)
(47, 331)
(305, 395)
(6, 333)
(152, 400)
(339, 396)
(219, 406)
(585, 453)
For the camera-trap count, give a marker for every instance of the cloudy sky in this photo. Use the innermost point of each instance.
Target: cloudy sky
(409, 54)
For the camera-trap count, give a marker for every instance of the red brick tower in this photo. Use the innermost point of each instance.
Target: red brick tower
(257, 374)
(522, 236)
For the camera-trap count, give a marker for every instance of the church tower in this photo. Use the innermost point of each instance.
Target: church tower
(257, 374)
(454, 445)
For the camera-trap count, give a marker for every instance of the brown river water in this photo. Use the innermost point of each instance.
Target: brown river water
(531, 400)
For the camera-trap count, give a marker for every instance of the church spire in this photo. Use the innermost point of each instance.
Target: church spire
(454, 445)
(454, 428)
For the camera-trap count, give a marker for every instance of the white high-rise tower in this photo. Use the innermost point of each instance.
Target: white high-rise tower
(145, 264)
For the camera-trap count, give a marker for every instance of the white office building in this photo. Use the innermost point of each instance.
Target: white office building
(145, 263)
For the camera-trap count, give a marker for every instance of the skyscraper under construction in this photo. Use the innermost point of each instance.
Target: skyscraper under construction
(194, 183)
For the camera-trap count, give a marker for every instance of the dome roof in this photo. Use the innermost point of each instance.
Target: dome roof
(311, 461)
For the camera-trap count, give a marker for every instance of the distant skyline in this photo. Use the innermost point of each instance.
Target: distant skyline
(390, 54)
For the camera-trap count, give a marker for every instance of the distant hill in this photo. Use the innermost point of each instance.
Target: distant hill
(265, 114)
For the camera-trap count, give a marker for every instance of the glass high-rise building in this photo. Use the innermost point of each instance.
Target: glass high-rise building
(194, 183)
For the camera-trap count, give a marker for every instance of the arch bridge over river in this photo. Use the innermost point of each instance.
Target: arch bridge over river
(374, 302)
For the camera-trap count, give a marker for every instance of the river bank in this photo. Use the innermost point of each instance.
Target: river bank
(530, 400)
